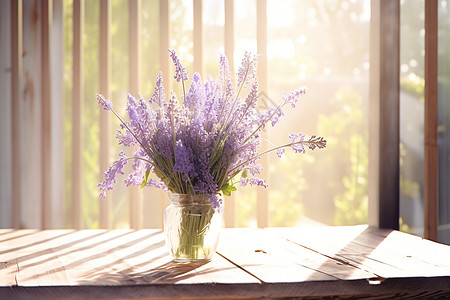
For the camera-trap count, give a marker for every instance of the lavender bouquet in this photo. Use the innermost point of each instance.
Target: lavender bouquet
(205, 142)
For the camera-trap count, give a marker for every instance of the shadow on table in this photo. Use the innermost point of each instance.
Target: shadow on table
(167, 273)
(87, 254)
(352, 249)
(172, 272)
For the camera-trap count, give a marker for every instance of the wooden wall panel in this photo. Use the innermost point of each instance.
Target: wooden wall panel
(16, 78)
(77, 113)
(164, 60)
(105, 116)
(261, 41)
(164, 43)
(431, 120)
(46, 114)
(384, 93)
(230, 219)
(30, 118)
(57, 116)
(134, 82)
(229, 33)
(198, 37)
(6, 28)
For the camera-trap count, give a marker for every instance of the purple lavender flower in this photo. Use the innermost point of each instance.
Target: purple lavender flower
(107, 105)
(163, 139)
(247, 70)
(180, 71)
(200, 147)
(293, 96)
(280, 152)
(140, 166)
(196, 96)
(257, 181)
(225, 76)
(296, 144)
(126, 138)
(110, 175)
(157, 184)
(216, 202)
(184, 160)
(158, 96)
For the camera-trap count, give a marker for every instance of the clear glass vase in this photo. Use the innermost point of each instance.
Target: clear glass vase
(192, 227)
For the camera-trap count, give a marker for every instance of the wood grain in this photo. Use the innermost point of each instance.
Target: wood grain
(431, 163)
(16, 80)
(274, 259)
(384, 95)
(57, 91)
(46, 9)
(343, 262)
(5, 115)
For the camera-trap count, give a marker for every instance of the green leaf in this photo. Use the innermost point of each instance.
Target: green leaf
(228, 188)
(144, 183)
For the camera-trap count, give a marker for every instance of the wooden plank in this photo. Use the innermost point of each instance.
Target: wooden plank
(198, 38)
(144, 259)
(386, 253)
(46, 114)
(8, 268)
(273, 259)
(105, 116)
(16, 250)
(99, 257)
(57, 96)
(6, 199)
(261, 40)
(134, 81)
(431, 121)
(77, 113)
(384, 92)
(230, 219)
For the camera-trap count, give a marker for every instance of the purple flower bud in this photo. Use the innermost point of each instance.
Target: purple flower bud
(293, 96)
(280, 152)
(158, 96)
(110, 175)
(180, 71)
(184, 160)
(107, 105)
(247, 70)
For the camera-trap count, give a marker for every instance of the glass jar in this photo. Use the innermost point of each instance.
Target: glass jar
(192, 227)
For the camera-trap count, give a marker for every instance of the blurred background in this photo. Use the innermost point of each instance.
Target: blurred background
(323, 45)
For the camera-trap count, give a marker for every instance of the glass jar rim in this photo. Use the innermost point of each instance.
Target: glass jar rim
(189, 198)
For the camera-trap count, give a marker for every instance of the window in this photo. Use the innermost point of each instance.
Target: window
(324, 45)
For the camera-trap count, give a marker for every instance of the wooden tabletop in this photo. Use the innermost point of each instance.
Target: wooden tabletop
(309, 262)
